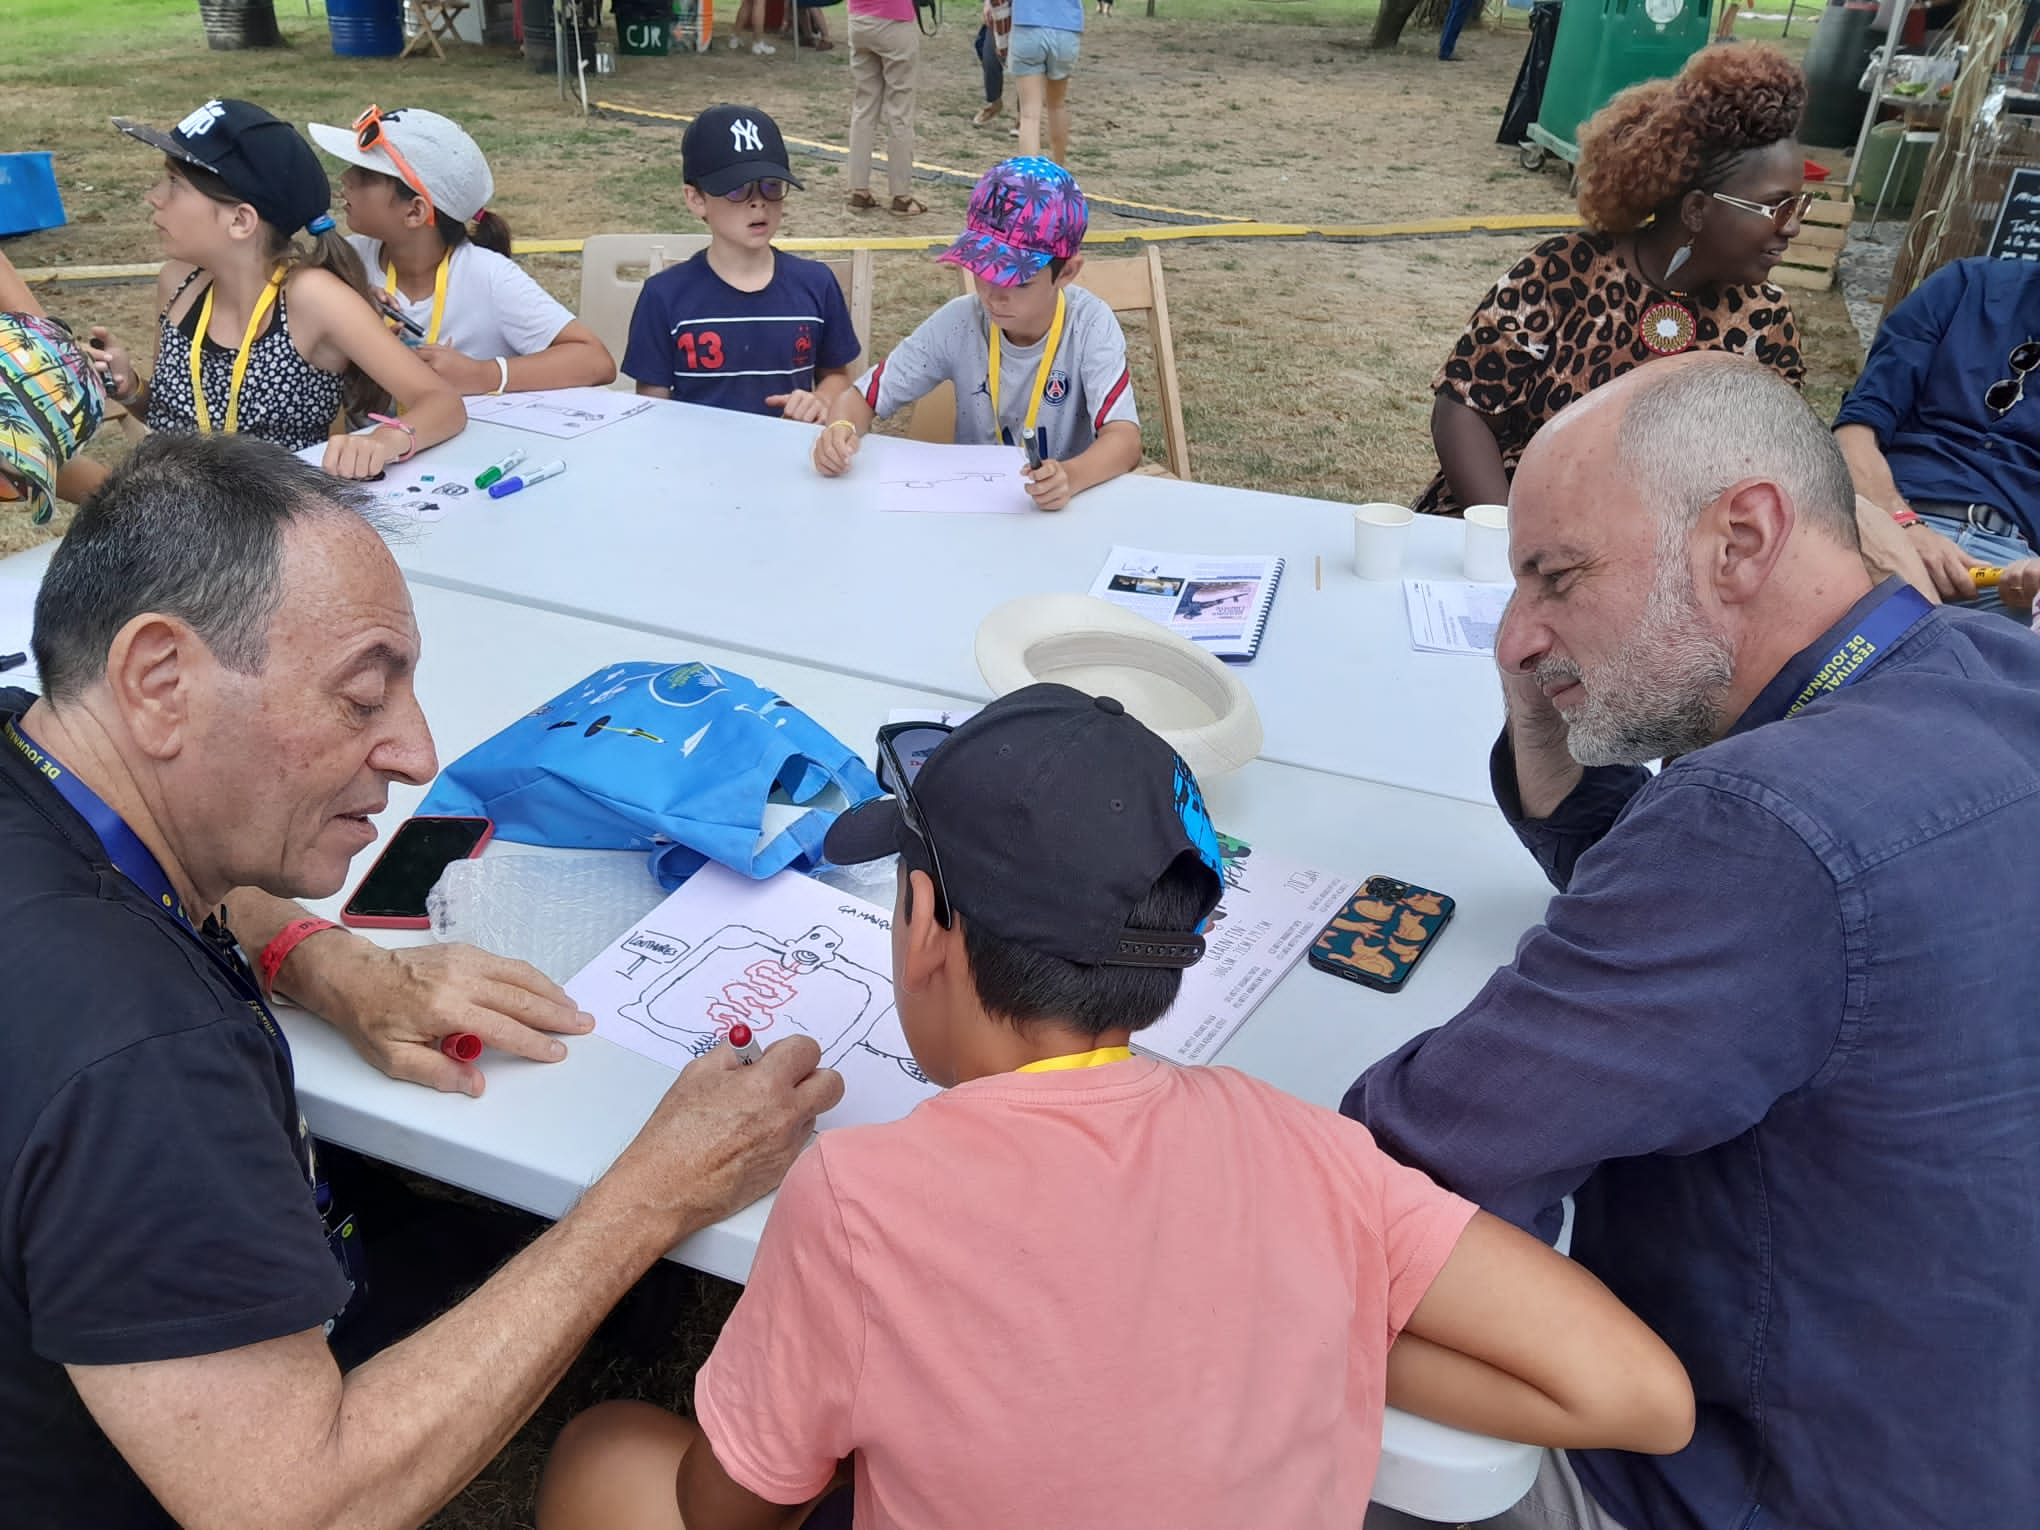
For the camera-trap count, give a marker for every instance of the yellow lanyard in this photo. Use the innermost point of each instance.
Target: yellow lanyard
(241, 357)
(1048, 349)
(438, 294)
(1097, 1059)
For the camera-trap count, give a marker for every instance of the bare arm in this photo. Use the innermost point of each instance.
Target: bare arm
(272, 1437)
(710, 1499)
(14, 294)
(396, 1006)
(653, 390)
(335, 328)
(1468, 452)
(577, 358)
(1868, 467)
(1116, 451)
(1516, 1341)
(1934, 557)
(837, 444)
(1546, 772)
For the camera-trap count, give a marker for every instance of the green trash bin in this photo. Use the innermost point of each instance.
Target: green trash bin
(644, 29)
(1605, 46)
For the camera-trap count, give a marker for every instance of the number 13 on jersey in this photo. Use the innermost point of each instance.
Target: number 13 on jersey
(704, 352)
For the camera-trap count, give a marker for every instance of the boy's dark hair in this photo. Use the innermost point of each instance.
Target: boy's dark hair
(1055, 267)
(1019, 985)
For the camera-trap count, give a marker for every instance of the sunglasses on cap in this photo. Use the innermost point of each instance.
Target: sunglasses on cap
(771, 191)
(369, 134)
(1782, 214)
(1999, 397)
(903, 748)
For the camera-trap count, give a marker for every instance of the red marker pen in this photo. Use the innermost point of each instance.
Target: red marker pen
(461, 1046)
(748, 1050)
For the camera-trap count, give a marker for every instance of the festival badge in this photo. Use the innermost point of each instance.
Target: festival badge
(1667, 327)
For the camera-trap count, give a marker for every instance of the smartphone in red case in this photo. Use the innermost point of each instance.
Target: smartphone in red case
(392, 895)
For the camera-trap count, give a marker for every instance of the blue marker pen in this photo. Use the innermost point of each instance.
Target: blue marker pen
(506, 486)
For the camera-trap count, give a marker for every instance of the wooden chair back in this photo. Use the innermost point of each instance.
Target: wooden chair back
(1129, 285)
(613, 270)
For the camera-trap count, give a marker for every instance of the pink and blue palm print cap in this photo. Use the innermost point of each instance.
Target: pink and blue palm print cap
(1024, 213)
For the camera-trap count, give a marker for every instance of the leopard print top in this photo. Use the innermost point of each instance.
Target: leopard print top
(1566, 319)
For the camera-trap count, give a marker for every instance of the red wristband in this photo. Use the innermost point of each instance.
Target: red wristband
(277, 952)
(1906, 517)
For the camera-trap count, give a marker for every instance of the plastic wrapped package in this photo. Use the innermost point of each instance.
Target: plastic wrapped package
(554, 910)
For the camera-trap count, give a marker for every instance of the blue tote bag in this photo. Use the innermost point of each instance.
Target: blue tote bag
(677, 759)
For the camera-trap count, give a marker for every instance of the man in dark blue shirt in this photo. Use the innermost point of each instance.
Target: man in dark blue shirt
(1776, 1035)
(1942, 424)
(741, 325)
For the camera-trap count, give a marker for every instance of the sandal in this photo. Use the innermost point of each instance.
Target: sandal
(908, 207)
(863, 201)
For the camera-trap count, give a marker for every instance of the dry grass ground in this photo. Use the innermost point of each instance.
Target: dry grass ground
(1305, 366)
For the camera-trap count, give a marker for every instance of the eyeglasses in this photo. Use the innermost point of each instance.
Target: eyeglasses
(1782, 214)
(903, 748)
(771, 191)
(2001, 395)
(369, 134)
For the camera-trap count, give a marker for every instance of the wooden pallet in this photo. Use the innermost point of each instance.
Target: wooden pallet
(1811, 258)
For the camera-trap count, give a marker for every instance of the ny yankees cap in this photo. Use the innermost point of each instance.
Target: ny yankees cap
(1053, 814)
(728, 146)
(1023, 214)
(263, 159)
(446, 159)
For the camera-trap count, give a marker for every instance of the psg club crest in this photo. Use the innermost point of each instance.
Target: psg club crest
(1058, 387)
(1667, 328)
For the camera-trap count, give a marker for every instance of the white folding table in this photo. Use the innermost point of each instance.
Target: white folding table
(705, 524)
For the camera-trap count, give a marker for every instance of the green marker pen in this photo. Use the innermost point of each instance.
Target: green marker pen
(496, 470)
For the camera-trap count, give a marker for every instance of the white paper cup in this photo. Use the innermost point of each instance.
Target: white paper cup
(1380, 533)
(1487, 544)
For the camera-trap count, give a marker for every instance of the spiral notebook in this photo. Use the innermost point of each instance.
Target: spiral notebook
(1220, 602)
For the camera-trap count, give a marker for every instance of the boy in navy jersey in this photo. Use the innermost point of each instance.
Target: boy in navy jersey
(741, 325)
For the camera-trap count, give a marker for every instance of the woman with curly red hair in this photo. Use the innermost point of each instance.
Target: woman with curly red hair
(1690, 189)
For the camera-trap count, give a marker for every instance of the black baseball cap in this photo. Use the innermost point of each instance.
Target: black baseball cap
(263, 159)
(1053, 814)
(730, 146)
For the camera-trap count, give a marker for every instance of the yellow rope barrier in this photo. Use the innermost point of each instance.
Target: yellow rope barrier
(1349, 233)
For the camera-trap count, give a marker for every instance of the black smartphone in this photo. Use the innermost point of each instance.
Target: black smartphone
(1379, 937)
(392, 895)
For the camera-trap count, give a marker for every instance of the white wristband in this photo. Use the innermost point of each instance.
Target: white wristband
(502, 375)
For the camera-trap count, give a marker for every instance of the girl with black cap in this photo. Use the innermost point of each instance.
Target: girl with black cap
(260, 332)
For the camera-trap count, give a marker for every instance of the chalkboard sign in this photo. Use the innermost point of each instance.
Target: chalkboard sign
(2017, 235)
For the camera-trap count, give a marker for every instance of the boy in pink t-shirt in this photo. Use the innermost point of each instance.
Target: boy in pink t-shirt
(1083, 1288)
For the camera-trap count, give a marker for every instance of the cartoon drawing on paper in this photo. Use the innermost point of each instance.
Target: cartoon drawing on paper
(943, 481)
(773, 985)
(642, 946)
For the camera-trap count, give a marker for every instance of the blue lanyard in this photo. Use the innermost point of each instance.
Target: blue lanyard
(133, 860)
(130, 857)
(1896, 615)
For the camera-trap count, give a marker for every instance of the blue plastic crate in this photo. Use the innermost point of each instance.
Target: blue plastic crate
(28, 194)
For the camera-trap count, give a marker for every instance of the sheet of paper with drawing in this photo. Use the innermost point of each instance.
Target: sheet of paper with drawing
(1448, 616)
(1271, 910)
(562, 413)
(784, 956)
(928, 476)
(424, 490)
